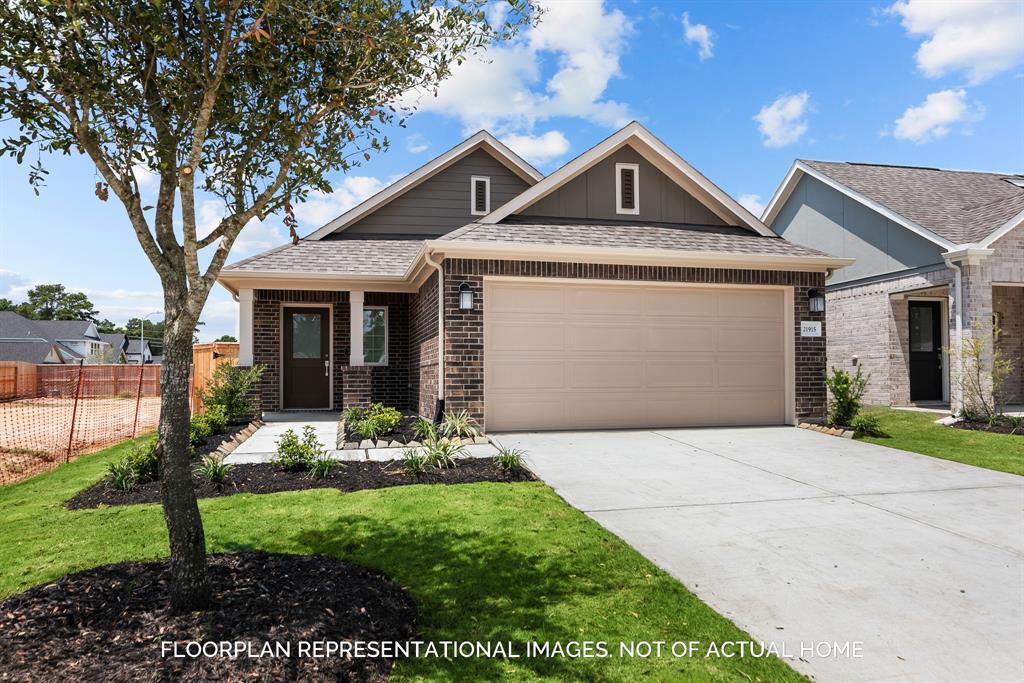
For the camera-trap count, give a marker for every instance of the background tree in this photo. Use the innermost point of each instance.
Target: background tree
(252, 102)
(55, 302)
(226, 338)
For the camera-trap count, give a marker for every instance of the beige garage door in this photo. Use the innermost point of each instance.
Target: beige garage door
(568, 356)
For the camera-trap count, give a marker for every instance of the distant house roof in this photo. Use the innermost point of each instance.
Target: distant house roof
(66, 329)
(135, 346)
(27, 340)
(117, 340)
(29, 351)
(950, 207)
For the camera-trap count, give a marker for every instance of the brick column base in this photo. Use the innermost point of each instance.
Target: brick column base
(356, 386)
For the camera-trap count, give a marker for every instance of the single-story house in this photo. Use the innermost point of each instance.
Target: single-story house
(939, 256)
(139, 351)
(52, 341)
(625, 289)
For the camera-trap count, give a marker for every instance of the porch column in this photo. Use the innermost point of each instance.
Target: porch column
(245, 327)
(355, 304)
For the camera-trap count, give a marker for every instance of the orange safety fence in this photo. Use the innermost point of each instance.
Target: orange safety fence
(50, 414)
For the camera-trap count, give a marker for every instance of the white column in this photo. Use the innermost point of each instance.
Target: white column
(245, 327)
(355, 304)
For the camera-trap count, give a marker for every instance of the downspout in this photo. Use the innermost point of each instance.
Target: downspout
(958, 299)
(439, 267)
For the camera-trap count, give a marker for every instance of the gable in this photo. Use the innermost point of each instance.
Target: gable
(591, 195)
(440, 203)
(818, 216)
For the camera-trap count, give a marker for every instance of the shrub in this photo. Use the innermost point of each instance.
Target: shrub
(424, 429)
(847, 391)
(121, 475)
(442, 454)
(295, 454)
(213, 469)
(198, 430)
(217, 418)
(1016, 423)
(414, 460)
(144, 461)
(352, 415)
(867, 424)
(510, 459)
(229, 388)
(376, 421)
(459, 424)
(983, 370)
(322, 466)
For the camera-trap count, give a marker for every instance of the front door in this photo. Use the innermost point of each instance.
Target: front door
(925, 351)
(307, 364)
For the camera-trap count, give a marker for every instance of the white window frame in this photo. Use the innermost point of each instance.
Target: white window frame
(635, 211)
(383, 361)
(473, 180)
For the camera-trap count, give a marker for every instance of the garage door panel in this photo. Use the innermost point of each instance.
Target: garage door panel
(628, 356)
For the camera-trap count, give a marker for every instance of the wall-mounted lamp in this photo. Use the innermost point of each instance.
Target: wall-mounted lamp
(816, 301)
(465, 297)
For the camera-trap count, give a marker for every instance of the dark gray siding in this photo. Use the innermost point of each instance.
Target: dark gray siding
(591, 195)
(441, 203)
(818, 216)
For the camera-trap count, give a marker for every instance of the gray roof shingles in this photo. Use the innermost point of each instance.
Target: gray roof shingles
(335, 257)
(25, 351)
(960, 206)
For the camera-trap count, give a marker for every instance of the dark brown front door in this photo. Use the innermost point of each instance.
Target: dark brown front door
(307, 369)
(925, 351)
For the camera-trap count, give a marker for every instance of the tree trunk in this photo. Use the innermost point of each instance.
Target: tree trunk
(190, 589)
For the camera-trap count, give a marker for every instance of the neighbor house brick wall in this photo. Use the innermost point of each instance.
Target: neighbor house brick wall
(868, 322)
(464, 349)
(423, 349)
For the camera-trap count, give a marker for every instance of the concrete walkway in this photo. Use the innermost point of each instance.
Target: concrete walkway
(803, 538)
(261, 447)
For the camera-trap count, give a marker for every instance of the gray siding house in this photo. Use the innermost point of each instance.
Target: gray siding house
(939, 255)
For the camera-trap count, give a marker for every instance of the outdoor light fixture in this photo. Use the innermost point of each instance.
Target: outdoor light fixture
(816, 301)
(465, 297)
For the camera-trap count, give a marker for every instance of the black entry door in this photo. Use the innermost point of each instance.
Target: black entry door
(925, 351)
(307, 369)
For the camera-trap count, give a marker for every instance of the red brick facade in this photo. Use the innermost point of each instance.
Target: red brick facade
(423, 349)
(464, 348)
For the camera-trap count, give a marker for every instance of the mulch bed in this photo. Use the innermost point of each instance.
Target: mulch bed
(109, 623)
(403, 433)
(999, 428)
(267, 478)
(214, 440)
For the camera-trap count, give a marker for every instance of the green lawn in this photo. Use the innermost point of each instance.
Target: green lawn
(483, 562)
(917, 432)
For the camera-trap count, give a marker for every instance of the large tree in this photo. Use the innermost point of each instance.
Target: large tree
(254, 102)
(55, 302)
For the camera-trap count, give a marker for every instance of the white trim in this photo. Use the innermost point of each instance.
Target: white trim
(788, 319)
(473, 180)
(483, 139)
(355, 328)
(635, 211)
(330, 349)
(1003, 229)
(792, 178)
(655, 151)
(245, 352)
(384, 362)
(969, 255)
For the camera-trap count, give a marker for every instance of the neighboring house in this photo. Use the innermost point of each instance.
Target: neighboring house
(51, 341)
(623, 290)
(118, 346)
(137, 349)
(938, 253)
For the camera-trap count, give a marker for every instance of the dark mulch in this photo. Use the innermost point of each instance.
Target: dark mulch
(214, 440)
(403, 433)
(108, 623)
(266, 478)
(1002, 427)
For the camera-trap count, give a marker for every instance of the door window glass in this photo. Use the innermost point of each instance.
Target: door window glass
(306, 335)
(921, 338)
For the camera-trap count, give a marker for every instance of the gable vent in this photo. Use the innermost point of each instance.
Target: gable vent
(480, 195)
(627, 187)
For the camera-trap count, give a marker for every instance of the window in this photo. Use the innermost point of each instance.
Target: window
(479, 195)
(375, 335)
(627, 189)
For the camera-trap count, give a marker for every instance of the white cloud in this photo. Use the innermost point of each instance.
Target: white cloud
(782, 122)
(416, 143)
(700, 35)
(13, 285)
(980, 37)
(753, 203)
(320, 208)
(258, 236)
(932, 118)
(145, 176)
(502, 88)
(538, 149)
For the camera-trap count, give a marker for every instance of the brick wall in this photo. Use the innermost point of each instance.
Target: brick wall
(464, 372)
(1008, 303)
(390, 383)
(423, 349)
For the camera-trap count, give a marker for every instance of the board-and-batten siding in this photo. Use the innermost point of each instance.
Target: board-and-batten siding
(441, 203)
(591, 196)
(818, 216)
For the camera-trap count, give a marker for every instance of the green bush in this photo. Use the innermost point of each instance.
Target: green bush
(204, 425)
(510, 459)
(377, 420)
(121, 475)
(459, 424)
(423, 429)
(443, 454)
(847, 391)
(867, 424)
(296, 454)
(414, 460)
(322, 466)
(229, 388)
(213, 469)
(144, 461)
(217, 417)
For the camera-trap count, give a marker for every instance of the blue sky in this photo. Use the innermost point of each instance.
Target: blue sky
(738, 89)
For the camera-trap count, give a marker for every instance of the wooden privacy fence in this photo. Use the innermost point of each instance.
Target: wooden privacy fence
(205, 359)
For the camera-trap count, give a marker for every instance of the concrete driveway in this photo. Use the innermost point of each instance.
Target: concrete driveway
(803, 538)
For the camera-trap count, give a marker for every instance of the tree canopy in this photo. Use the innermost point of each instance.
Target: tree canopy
(53, 302)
